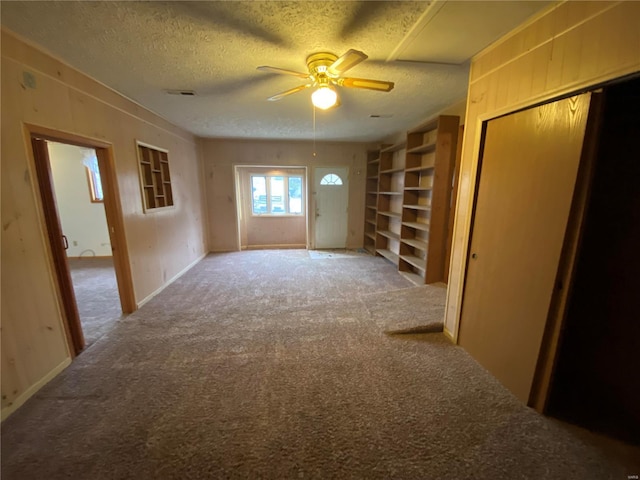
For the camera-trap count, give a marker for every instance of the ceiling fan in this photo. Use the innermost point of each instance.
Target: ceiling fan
(325, 72)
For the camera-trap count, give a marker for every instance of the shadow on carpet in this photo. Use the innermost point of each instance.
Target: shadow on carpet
(408, 310)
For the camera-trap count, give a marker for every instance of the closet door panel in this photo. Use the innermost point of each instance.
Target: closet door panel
(527, 177)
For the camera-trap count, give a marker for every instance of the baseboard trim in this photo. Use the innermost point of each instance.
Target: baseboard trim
(171, 280)
(448, 334)
(89, 258)
(276, 247)
(29, 392)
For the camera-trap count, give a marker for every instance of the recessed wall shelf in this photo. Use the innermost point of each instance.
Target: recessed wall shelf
(155, 177)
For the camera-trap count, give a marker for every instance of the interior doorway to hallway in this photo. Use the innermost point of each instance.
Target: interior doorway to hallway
(78, 191)
(98, 182)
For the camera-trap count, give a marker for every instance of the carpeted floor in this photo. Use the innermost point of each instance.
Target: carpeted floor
(96, 290)
(275, 365)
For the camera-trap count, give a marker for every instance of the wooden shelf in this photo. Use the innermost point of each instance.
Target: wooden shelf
(418, 189)
(390, 214)
(422, 148)
(388, 254)
(414, 261)
(428, 188)
(413, 182)
(392, 170)
(155, 178)
(413, 277)
(424, 208)
(374, 160)
(419, 244)
(423, 168)
(393, 148)
(417, 225)
(389, 234)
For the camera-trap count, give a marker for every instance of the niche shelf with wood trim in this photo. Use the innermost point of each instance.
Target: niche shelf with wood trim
(389, 207)
(155, 178)
(429, 165)
(371, 200)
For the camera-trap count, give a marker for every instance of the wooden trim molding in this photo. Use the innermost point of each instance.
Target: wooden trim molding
(19, 401)
(112, 204)
(73, 327)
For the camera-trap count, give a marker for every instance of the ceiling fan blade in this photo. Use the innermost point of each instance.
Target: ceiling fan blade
(346, 61)
(288, 92)
(378, 85)
(283, 71)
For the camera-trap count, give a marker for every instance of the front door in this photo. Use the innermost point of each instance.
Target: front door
(528, 173)
(331, 192)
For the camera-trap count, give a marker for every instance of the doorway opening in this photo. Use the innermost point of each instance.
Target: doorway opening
(78, 191)
(271, 207)
(595, 382)
(67, 167)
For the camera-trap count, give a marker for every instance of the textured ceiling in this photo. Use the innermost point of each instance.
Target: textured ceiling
(143, 49)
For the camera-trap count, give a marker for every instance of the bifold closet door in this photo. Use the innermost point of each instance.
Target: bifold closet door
(527, 176)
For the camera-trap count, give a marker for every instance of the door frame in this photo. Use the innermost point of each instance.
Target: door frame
(313, 204)
(50, 223)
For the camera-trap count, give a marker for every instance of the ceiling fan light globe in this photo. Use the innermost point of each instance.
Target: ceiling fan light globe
(324, 97)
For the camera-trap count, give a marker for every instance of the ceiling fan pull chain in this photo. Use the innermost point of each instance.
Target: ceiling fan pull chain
(313, 107)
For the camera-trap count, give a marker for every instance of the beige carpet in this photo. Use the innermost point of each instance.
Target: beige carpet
(408, 310)
(96, 291)
(274, 365)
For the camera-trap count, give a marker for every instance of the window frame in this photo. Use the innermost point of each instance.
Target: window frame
(332, 183)
(93, 179)
(287, 200)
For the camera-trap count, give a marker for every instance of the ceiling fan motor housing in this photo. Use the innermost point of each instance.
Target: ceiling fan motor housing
(318, 63)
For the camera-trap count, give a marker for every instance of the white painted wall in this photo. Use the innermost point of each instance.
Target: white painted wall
(83, 222)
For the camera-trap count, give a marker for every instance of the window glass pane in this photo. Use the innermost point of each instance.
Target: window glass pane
(259, 194)
(277, 195)
(295, 195)
(331, 179)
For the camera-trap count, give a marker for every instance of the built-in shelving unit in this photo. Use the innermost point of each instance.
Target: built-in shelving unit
(429, 165)
(371, 201)
(390, 194)
(408, 199)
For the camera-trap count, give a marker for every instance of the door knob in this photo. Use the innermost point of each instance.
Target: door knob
(474, 256)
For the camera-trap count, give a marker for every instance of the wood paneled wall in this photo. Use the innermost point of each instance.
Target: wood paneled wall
(220, 156)
(161, 245)
(571, 46)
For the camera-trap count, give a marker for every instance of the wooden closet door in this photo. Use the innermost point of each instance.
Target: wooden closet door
(527, 177)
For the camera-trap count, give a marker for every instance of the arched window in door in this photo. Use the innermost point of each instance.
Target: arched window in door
(331, 179)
